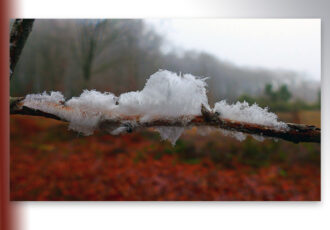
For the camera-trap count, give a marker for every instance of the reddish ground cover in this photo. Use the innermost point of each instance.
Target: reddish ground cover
(50, 163)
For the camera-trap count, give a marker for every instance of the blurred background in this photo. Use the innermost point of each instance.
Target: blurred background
(275, 63)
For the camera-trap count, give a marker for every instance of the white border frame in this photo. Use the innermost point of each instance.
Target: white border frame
(184, 215)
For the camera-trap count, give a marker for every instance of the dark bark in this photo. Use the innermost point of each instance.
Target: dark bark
(294, 133)
(18, 36)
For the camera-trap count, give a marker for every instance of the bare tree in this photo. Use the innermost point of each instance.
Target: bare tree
(18, 36)
(92, 40)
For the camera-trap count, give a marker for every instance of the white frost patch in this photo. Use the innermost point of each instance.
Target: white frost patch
(258, 137)
(238, 135)
(165, 95)
(172, 134)
(81, 119)
(242, 111)
(55, 97)
(89, 109)
(93, 100)
(206, 130)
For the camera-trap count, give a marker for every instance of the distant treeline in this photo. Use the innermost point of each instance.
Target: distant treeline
(281, 100)
(118, 55)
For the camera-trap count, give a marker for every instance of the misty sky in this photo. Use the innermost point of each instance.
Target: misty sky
(291, 44)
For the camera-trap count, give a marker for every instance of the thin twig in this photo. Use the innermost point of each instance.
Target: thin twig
(294, 133)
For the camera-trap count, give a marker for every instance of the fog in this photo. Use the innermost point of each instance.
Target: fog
(287, 44)
(119, 55)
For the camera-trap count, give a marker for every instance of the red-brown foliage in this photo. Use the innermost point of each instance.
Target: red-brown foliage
(50, 163)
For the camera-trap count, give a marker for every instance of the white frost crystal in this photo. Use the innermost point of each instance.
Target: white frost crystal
(238, 135)
(166, 95)
(172, 134)
(44, 97)
(242, 111)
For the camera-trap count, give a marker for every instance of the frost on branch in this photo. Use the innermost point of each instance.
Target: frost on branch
(242, 111)
(165, 96)
(38, 99)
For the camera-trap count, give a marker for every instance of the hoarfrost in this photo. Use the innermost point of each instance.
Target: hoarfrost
(258, 137)
(238, 135)
(165, 95)
(55, 97)
(172, 134)
(242, 111)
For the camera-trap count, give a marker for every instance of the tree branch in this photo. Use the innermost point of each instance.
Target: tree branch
(18, 36)
(294, 133)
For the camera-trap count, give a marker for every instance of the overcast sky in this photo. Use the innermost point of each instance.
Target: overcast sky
(292, 44)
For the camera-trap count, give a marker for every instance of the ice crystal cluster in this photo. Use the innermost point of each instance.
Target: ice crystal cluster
(166, 95)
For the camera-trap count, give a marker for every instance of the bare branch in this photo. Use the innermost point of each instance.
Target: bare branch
(18, 36)
(294, 133)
